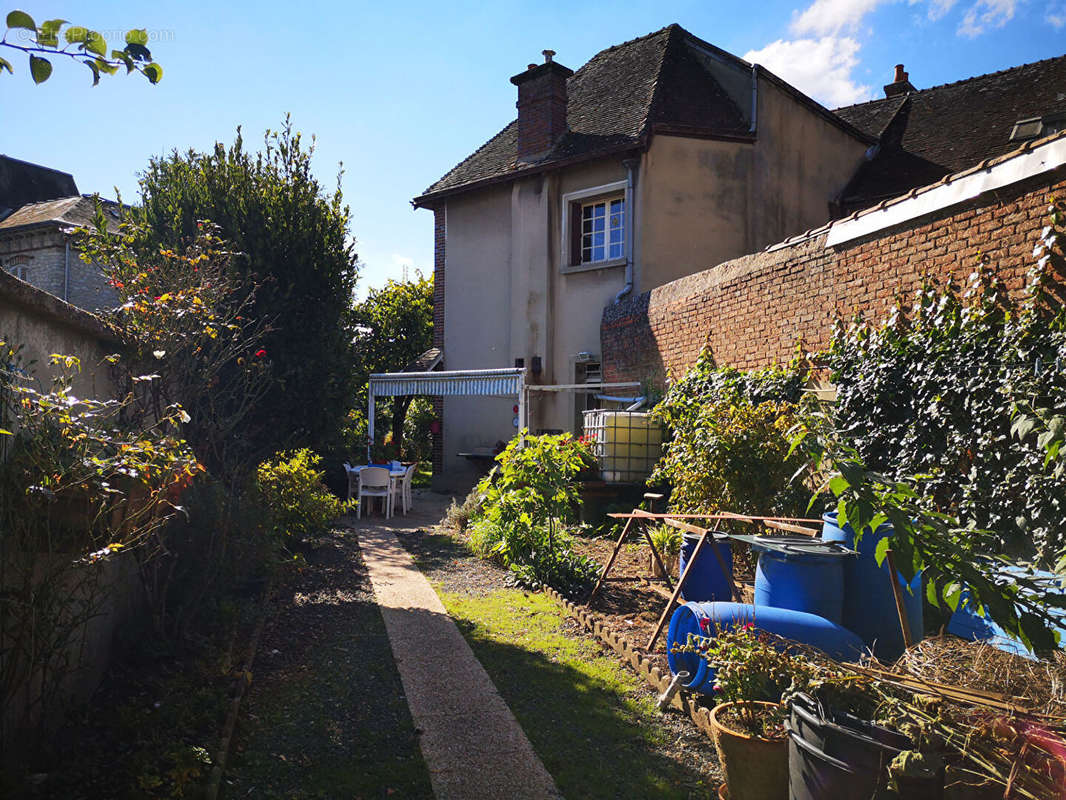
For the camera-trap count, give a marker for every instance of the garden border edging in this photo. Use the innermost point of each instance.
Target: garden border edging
(651, 673)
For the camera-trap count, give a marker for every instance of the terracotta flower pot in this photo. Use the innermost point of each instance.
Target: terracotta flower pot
(755, 768)
(670, 562)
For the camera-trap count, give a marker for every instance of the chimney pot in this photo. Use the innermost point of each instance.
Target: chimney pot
(900, 83)
(900, 74)
(548, 55)
(531, 66)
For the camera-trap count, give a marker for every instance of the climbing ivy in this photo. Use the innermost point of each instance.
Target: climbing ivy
(933, 391)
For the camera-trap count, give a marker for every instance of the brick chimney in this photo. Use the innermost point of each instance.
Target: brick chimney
(541, 106)
(900, 83)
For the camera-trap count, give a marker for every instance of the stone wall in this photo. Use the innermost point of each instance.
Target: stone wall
(50, 262)
(754, 310)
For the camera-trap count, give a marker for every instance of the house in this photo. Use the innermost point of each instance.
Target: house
(657, 157)
(924, 135)
(39, 207)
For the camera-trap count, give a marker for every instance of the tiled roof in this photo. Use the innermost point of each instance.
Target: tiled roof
(933, 132)
(22, 182)
(74, 211)
(427, 361)
(614, 100)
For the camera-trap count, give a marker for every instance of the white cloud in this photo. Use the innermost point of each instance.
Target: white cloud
(1056, 15)
(939, 8)
(831, 17)
(821, 68)
(985, 14)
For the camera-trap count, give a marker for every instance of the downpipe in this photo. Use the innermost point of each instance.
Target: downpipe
(630, 164)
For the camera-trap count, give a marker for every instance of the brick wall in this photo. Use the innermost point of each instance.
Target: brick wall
(440, 234)
(752, 311)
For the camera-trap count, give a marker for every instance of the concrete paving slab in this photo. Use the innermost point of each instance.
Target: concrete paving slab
(471, 742)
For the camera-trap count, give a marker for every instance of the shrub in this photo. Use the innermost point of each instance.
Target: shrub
(291, 489)
(528, 502)
(730, 448)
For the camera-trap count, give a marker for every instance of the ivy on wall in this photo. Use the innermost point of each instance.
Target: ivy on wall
(933, 390)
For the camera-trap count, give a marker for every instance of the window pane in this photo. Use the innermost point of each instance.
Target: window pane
(597, 253)
(597, 239)
(616, 235)
(597, 224)
(616, 250)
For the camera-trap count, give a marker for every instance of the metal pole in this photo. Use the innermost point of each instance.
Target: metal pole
(369, 421)
(522, 410)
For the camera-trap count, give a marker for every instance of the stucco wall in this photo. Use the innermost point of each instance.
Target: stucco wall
(44, 325)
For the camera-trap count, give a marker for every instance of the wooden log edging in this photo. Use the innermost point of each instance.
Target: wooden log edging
(651, 673)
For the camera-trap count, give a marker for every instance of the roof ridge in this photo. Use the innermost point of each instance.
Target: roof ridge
(628, 42)
(674, 31)
(955, 83)
(47, 202)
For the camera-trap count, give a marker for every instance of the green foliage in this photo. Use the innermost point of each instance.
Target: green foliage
(290, 487)
(730, 448)
(80, 44)
(528, 502)
(296, 261)
(185, 318)
(394, 326)
(933, 392)
(79, 487)
(667, 540)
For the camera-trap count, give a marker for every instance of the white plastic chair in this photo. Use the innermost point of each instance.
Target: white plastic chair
(353, 479)
(402, 487)
(375, 482)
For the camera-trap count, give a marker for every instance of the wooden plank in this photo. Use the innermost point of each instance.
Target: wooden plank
(641, 514)
(788, 526)
(897, 595)
(610, 563)
(677, 591)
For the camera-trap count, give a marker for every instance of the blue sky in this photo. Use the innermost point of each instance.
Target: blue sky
(401, 92)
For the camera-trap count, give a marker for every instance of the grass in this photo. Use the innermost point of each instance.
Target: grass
(423, 476)
(597, 737)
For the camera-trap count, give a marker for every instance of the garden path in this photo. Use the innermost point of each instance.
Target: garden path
(471, 742)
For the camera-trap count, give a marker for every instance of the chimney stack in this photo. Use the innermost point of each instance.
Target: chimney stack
(541, 106)
(900, 83)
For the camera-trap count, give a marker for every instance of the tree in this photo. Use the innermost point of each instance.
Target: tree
(81, 44)
(296, 255)
(394, 327)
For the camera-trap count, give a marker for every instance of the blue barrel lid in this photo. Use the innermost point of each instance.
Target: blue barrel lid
(796, 546)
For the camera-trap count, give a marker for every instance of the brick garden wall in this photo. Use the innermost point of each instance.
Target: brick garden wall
(752, 311)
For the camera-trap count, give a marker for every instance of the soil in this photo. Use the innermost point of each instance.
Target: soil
(632, 606)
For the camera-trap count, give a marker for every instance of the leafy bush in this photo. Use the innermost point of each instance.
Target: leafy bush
(291, 489)
(730, 447)
(528, 502)
(932, 392)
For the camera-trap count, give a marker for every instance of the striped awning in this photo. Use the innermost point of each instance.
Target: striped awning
(483, 382)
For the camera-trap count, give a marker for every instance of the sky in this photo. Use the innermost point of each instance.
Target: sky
(401, 92)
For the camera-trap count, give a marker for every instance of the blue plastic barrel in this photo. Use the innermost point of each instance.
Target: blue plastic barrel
(869, 604)
(706, 581)
(706, 619)
(802, 581)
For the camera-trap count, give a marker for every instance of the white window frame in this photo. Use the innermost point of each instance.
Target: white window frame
(603, 193)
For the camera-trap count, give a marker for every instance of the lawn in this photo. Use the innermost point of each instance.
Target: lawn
(590, 719)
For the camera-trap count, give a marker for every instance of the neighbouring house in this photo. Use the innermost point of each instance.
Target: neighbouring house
(656, 158)
(39, 209)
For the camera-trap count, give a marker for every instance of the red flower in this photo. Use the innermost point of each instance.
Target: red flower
(260, 353)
